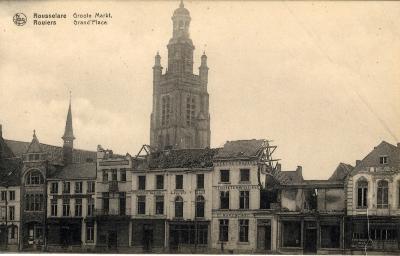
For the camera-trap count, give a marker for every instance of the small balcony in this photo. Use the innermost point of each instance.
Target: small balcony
(113, 186)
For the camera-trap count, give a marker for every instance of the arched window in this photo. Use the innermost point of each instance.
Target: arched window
(34, 177)
(362, 193)
(190, 110)
(382, 194)
(200, 203)
(178, 207)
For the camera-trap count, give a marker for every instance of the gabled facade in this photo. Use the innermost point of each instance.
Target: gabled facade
(372, 200)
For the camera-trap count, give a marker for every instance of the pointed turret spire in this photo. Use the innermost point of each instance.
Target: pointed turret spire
(68, 136)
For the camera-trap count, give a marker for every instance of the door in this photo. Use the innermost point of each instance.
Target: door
(264, 238)
(147, 237)
(112, 240)
(310, 243)
(267, 238)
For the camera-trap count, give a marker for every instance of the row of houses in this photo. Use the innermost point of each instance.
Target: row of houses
(229, 199)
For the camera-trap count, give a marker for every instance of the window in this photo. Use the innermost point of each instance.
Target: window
(66, 187)
(159, 182)
(66, 207)
(178, 207)
(190, 110)
(224, 199)
(382, 194)
(383, 159)
(224, 175)
(3, 213)
(114, 175)
(165, 110)
(200, 181)
(106, 202)
(160, 205)
(78, 207)
(330, 236)
(223, 230)
(200, 202)
(362, 193)
(54, 188)
(13, 231)
(3, 195)
(11, 195)
(178, 181)
(384, 233)
(90, 187)
(105, 176)
(141, 204)
(244, 199)
(244, 175)
(243, 230)
(122, 174)
(291, 235)
(142, 182)
(34, 202)
(54, 210)
(11, 213)
(90, 232)
(34, 178)
(122, 203)
(78, 187)
(90, 206)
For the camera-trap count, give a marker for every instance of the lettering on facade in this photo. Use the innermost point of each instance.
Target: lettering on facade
(241, 187)
(149, 192)
(112, 163)
(233, 215)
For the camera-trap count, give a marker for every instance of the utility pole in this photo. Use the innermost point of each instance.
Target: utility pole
(6, 217)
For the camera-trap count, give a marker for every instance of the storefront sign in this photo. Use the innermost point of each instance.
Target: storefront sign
(239, 187)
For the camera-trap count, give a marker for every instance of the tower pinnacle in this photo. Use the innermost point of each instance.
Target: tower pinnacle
(68, 137)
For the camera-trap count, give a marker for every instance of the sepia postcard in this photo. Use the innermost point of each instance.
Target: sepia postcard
(200, 127)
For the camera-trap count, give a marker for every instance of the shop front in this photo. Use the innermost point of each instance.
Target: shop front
(148, 235)
(188, 236)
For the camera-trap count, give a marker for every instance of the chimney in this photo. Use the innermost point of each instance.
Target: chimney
(358, 162)
(299, 170)
(278, 167)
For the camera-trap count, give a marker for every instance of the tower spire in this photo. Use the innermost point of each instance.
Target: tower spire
(68, 136)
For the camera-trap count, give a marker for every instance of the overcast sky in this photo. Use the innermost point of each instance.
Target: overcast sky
(320, 79)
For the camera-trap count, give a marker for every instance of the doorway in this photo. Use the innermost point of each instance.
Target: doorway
(264, 237)
(112, 240)
(147, 237)
(310, 242)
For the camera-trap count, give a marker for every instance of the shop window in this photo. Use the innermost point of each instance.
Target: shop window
(200, 181)
(122, 175)
(362, 193)
(54, 188)
(244, 199)
(142, 182)
(159, 181)
(141, 204)
(12, 232)
(243, 230)
(224, 230)
(200, 203)
(244, 175)
(382, 194)
(330, 236)
(53, 205)
(160, 205)
(291, 235)
(224, 199)
(11, 195)
(383, 233)
(78, 187)
(178, 181)
(224, 175)
(178, 207)
(78, 207)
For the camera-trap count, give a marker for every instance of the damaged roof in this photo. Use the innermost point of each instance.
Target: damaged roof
(74, 171)
(241, 149)
(341, 172)
(10, 172)
(179, 158)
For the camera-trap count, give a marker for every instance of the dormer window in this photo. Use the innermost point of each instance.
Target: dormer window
(383, 159)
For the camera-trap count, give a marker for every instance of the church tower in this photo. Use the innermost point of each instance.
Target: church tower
(68, 138)
(180, 118)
